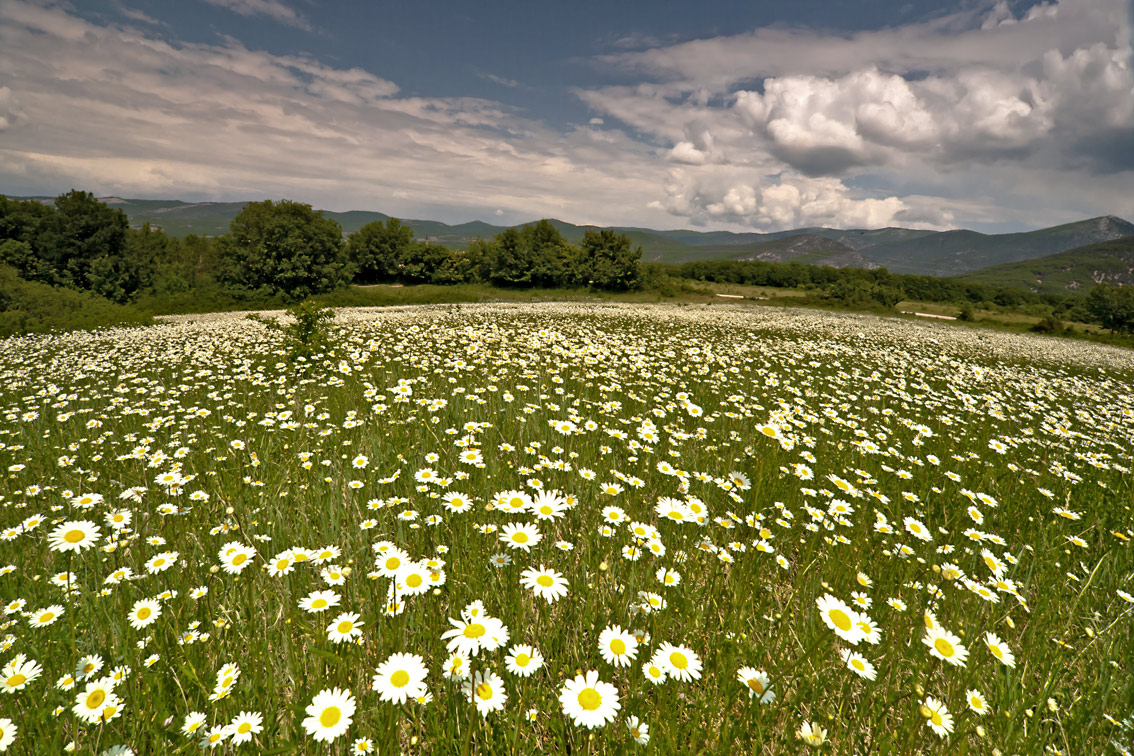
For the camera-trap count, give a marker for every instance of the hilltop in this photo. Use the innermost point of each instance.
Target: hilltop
(901, 250)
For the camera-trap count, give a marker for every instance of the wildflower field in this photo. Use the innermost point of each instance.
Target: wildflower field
(566, 529)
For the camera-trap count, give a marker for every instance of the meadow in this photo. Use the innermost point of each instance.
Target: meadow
(566, 528)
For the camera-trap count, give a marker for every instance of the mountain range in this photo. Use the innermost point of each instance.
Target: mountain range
(901, 250)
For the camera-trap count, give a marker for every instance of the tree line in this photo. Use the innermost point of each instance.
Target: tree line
(288, 251)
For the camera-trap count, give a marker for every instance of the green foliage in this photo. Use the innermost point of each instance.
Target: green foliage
(1112, 307)
(283, 248)
(853, 292)
(376, 250)
(30, 306)
(608, 261)
(967, 313)
(80, 243)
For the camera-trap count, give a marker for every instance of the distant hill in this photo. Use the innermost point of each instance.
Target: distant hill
(902, 250)
(1076, 270)
(951, 253)
(807, 249)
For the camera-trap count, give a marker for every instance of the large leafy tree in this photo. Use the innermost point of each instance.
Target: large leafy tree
(1112, 306)
(610, 261)
(283, 248)
(377, 250)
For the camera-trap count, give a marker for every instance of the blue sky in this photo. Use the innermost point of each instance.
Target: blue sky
(992, 115)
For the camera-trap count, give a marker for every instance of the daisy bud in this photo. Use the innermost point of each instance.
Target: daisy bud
(214, 569)
(229, 510)
(603, 566)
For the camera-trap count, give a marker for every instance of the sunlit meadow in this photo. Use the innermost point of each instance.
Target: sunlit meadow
(567, 529)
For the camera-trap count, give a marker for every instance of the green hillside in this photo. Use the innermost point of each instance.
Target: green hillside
(953, 253)
(1073, 271)
(901, 250)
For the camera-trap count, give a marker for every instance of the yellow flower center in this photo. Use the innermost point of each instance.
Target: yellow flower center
(944, 647)
(244, 728)
(15, 680)
(618, 646)
(484, 691)
(756, 685)
(545, 510)
(841, 619)
(239, 559)
(413, 581)
(95, 699)
(590, 699)
(545, 581)
(74, 536)
(345, 627)
(475, 630)
(522, 660)
(330, 716)
(318, 603)
(678, 660)
(393, 563)
(46, 617)
(143, 613)
(399, 679)
(520, 537)
(996, 652)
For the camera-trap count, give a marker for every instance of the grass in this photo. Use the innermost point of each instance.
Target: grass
(806, 454)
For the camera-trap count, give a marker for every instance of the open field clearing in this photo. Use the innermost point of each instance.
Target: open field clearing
(567, 528)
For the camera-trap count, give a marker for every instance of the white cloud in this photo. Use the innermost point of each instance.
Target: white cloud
(10, 111)
(960, 96)
(271, 8)
(772, 129)
(121, 111)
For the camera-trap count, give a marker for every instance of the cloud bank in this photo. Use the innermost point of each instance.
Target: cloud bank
(973, 118)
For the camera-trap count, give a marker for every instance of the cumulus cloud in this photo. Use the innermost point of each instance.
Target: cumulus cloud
(1049, 90)
(270, 8)
(976, 117)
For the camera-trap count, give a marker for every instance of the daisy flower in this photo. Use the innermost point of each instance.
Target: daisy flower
(680, 662)
(45, 617)
(617, 646)
(74, 536)
(546, 583)
(319, 601)
(976, 702)
(840, 618)
(639, 730)
(758, 684)
(1000, 649)
(523, 660)
(937, 716)
(17, 673)
(245, 725)
(8, 733)
(486, 690)
(345, 627)
(946, 646)
(589, 701)
(329, 714)
(520, 535)
(400, 677)
(144, 613)
(858, 664)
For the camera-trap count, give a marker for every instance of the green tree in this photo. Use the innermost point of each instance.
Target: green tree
(377, 248)
(80, 231)
(1112, 307)
(610, 261)
(284, 248)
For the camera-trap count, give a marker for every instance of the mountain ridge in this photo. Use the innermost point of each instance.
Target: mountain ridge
(953, 252)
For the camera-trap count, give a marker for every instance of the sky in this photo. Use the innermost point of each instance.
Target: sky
(994, 115)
